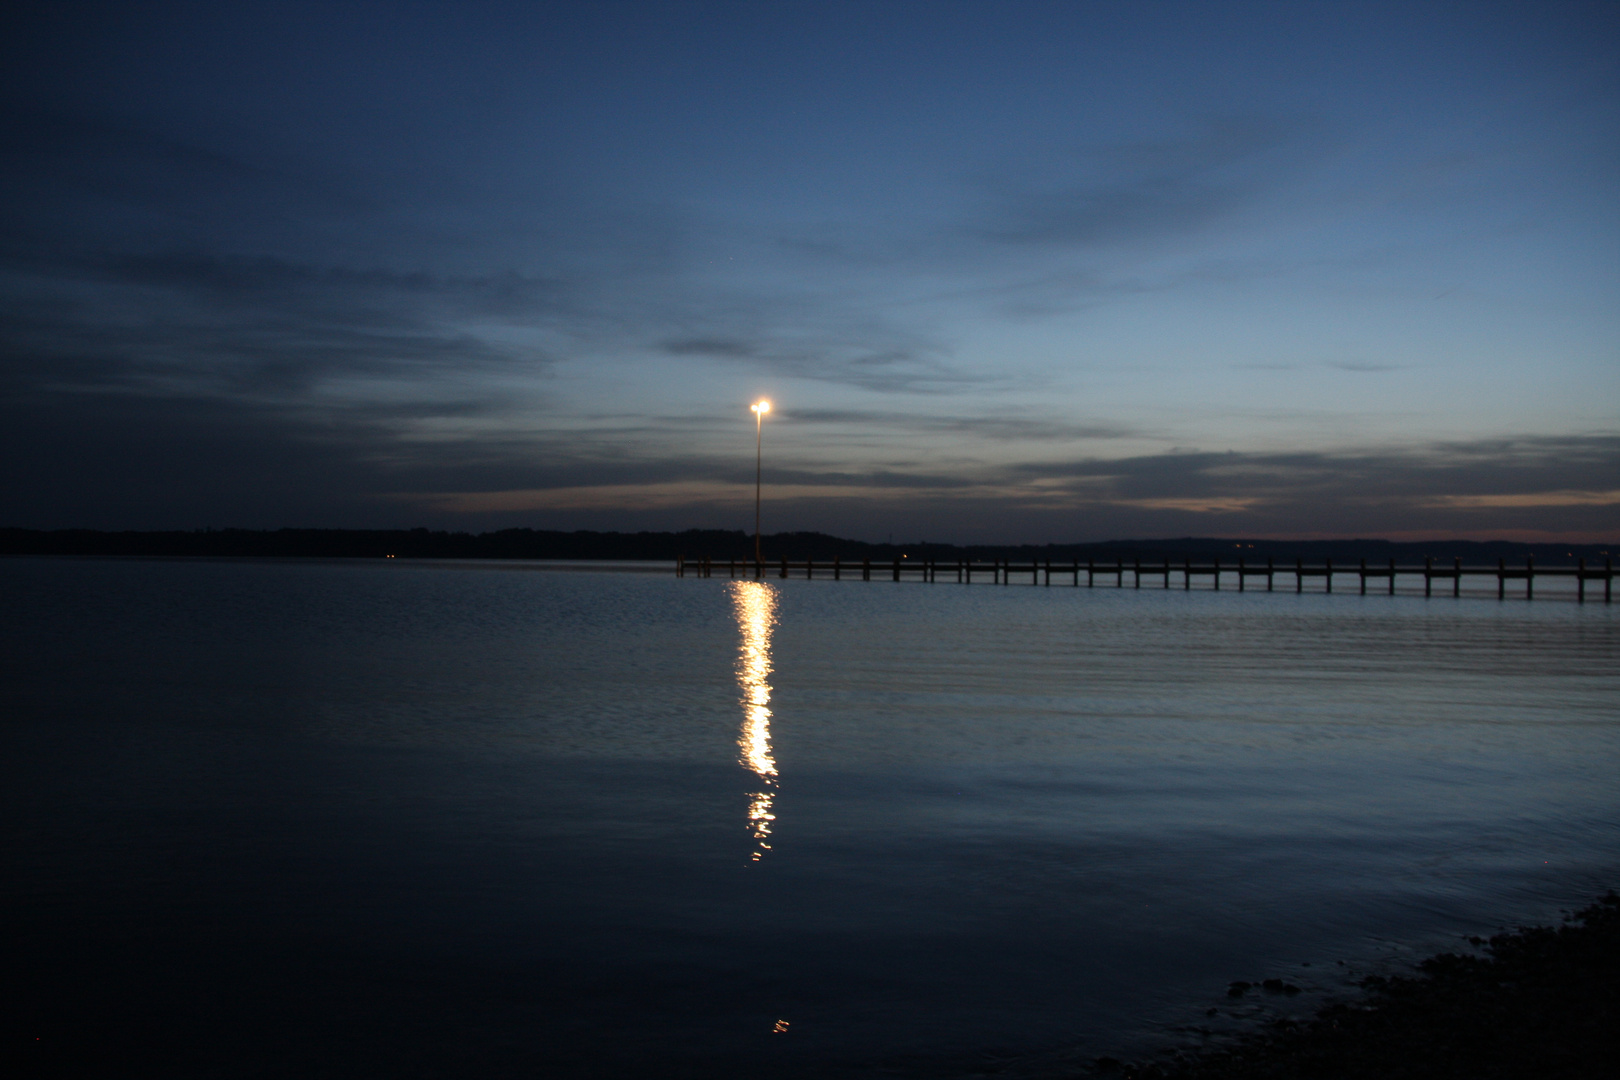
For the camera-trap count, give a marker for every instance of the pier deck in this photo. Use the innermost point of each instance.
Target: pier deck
(1037, 572)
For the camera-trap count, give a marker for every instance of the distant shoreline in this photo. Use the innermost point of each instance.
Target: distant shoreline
(612, 547)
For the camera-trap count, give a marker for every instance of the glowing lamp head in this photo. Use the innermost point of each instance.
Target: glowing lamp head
(761, 407)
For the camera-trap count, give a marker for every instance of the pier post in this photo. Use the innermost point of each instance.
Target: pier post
(838, 569)
(1091, 573)
(1456, 581)
(1049, 571)
(1501, 578)
(1119, 572)
(1076, 573)
(1392, 577)
(1186, 575)
(1363, 577)
(1608, 578)
(866, 569)
(1580, 582)
(1217, 575)
(1329, 574)
(784, 569)
(1299, 575)
(680, 566)
(897, 569)
(809, 569)
(1138, 573)
(1167, 571)
(1269, 571)
(1428, 569)
(1530, 577)
(1240, 575)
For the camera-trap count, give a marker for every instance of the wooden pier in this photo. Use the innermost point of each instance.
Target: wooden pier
(1035, 572)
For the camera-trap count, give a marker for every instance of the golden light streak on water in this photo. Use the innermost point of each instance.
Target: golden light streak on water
(754, 603)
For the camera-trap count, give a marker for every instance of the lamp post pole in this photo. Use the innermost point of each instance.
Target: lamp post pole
(759, 409)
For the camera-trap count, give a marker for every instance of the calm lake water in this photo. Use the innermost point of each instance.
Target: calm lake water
(327, 819)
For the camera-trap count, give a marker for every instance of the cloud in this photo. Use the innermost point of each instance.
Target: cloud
(137, 261)
(1134, 191)
(881, 359)
(1532, 499)
(1370, 366)
(1269, 490)
(722, 348)
(265, 330)
(632, 497)
(1503, 468)
(1077, 226)
(1191, 506)
(997, 427)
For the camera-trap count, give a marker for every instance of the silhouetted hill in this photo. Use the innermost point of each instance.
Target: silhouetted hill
(735, 544)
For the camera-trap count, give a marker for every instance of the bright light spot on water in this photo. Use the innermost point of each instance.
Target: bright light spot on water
(754, 603)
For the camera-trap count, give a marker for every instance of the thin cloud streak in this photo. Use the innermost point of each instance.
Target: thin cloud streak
(1541, 498)
(1139, 190)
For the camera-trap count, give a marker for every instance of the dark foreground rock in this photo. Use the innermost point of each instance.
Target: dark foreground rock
(1540, 1002)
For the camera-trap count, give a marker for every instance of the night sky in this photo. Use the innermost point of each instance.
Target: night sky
(1016, 272)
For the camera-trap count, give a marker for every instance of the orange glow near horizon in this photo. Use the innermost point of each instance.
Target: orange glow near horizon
(754, 603)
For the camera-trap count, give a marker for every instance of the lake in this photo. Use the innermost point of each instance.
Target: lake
(410, 819)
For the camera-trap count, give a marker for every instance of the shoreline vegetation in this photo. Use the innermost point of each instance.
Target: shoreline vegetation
(735, 544)
(1538, 1002)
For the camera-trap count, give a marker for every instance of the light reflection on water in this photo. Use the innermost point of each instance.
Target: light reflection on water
(442, 800)
(754, 603)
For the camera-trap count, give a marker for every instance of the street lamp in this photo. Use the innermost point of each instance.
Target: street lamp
(759, 409)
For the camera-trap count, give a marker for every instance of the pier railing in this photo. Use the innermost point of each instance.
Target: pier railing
(1037, 572)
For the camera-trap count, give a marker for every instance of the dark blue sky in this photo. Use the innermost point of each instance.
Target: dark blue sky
(1012, 271)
